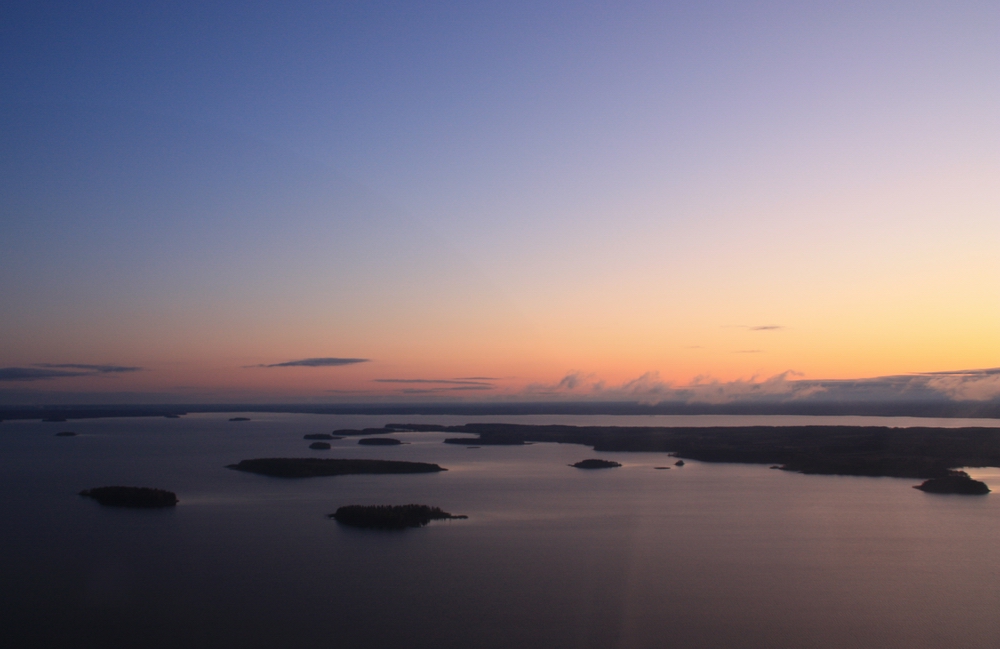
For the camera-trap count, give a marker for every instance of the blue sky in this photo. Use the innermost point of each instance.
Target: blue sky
(521, 190)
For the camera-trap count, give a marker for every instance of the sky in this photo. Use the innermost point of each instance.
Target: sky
(351, 201)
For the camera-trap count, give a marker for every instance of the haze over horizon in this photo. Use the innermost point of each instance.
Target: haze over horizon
(654, 202)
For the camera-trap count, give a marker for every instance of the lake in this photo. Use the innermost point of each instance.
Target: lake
(704, 555)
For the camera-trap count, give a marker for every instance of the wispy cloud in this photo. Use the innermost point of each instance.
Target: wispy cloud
(435, 386)
(457, 388)
(435, 381)
(317, 362)
(765, 327)
(47, 371)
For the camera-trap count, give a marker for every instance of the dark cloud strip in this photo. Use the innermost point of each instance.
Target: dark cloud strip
(97, 369)
(460, 388)
(49, 371)
(435, 381)
(319, 362)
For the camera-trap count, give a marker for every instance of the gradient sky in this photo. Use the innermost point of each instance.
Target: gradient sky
(520, 199)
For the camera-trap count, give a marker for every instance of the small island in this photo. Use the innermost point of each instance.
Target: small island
(956, 482)
(319, 436)
(143, 497)
(390, 517)
(595, 464)
(66, 433)
(679, 463)
(239, 419)
(320, 446)
(312, 467)
(379, 441)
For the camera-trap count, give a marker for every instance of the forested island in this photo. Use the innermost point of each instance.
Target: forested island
(379, 441)
(310, 467)
(131, 496)
(922, 453)
(595, 464)
(390, 517)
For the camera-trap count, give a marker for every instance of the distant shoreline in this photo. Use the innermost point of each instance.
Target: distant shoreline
(930, 409)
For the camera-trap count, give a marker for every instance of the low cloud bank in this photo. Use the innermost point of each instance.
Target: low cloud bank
(964, 385)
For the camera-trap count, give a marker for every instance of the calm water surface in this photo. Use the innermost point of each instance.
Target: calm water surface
(705, 555)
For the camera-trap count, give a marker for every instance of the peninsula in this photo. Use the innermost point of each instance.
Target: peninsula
(310, 467)
(920, 452)
(956, 482)
(390, 517)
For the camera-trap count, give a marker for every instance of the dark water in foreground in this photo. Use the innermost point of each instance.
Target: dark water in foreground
(706, 555)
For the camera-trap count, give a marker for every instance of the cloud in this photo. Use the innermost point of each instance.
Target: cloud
(48, 371)
(570, 381)
(782, 386)
(436, 381)
(974, 385)
(647, 387)
(437, 386)
(768, 327)
(317, 362)
(95, 369)
(460, 388)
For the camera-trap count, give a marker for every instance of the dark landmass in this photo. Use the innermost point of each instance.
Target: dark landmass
(131, 496)
(473, 447)
(679, 463)
(491, 440)
(54, 420)
(352, 432)
(239, 419)
(661, 468)
(66, 433)
(956, 482)
(880, 408)
(595, 464)
(320, 446)
(390, 517)
(830, 450)
(319, 436)
(379, 441)
(172, 416)
(309, 467)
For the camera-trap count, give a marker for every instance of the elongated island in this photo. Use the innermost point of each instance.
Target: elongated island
(141, 497)
(390, 517)
(311, 467)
